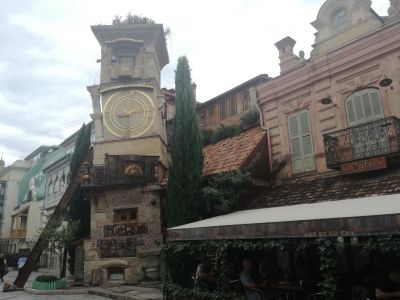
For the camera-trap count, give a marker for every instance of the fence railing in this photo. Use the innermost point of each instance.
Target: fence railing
(377, 138)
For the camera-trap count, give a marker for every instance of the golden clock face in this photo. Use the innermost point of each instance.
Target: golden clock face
(129, 113)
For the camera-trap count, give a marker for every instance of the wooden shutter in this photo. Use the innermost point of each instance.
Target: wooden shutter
(364, 106)
(301, 144)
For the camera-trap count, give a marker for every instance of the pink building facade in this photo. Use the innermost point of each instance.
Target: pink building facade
(340, 86)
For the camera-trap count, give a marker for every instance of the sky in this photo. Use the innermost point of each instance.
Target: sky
(48, 54)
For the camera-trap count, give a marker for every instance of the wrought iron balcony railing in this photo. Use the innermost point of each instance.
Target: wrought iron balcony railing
(122, 169)
(377, 138)
(125, 229)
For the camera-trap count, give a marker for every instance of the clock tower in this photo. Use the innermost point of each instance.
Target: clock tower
(129, 156)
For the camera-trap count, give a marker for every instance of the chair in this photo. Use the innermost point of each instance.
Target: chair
(258, 292)
(361, 293)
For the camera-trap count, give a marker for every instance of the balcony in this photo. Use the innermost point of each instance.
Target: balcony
(121, 70)
(125, 229)
(122, 170)
(379, 138)
(18, 233)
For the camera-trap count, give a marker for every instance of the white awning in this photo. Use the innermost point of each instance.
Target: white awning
(360, 207)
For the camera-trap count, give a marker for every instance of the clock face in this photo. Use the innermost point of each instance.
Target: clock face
(129, 114)
(340, 19)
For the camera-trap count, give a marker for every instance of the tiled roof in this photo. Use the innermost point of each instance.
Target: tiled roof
(330, 187)
(233, 153)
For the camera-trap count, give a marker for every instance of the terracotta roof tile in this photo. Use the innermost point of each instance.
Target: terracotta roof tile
(232, 153)
(330, 187)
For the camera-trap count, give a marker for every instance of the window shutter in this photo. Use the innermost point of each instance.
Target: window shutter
(376, 104)
(364, 106)
(301, 142)
(294, 134)
(367, 106)
(308, 151)
(351, 117)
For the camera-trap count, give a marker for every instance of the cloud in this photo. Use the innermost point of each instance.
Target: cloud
(48, 54)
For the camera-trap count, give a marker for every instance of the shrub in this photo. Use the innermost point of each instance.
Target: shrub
(46, 278)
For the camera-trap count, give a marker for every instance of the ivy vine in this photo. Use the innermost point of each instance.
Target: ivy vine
(327, 250)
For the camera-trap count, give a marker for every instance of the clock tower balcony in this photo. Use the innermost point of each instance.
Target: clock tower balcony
(122, 170)
(122, 71)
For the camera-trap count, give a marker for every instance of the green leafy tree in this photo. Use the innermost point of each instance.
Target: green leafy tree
(79, 206)
(184, 179)
(57, 236)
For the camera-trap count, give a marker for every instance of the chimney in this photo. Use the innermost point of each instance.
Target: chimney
(286, 56)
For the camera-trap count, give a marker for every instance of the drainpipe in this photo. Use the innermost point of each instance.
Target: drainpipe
(254, 103)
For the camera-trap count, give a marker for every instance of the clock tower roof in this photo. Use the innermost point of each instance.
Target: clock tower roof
(149, 34)
(341, 21)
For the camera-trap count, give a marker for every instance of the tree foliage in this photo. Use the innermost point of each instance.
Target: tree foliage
(132, 19)
(81, 147)
(223, 192)
(250, 119)
(184, 179)
(79, 206)
(57, 236)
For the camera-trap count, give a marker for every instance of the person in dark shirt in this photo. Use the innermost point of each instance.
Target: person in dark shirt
(205, 276)
(388, 286)
(248, 281)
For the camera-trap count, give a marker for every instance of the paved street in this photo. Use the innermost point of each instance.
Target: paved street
(125, 292)
(26, 296)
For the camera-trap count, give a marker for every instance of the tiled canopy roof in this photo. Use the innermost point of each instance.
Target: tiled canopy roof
(330, 187)
(233, 153)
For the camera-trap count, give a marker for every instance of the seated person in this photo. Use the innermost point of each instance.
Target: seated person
(388, 286)
(265, 269)
(205, 276)
(248, 282)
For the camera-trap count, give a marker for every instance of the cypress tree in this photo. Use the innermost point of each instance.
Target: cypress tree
(184, 178)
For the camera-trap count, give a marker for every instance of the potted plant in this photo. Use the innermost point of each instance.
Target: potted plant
(48, 282)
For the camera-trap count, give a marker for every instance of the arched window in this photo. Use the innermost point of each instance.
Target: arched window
(364, 106)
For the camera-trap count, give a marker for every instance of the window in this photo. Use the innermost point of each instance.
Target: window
(211, 114)
(50, 187)
(70, 150)
(56, 185)
(62, 182)
(222, 110)
(125, 215)
(246, 101)
(301, 144)
(232, 106)
(203, 119)
(124, 54)
(364, 106)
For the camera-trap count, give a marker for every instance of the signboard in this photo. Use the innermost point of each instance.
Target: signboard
(117, 247)
(365, 165)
